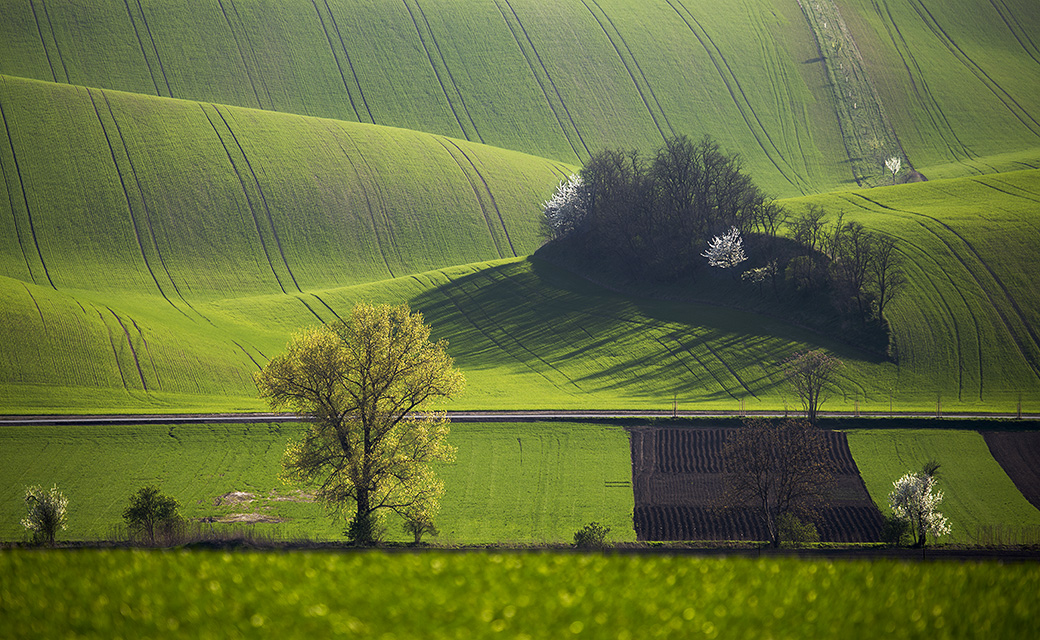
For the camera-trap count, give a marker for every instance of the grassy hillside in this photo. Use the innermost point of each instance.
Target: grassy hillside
(510, 483)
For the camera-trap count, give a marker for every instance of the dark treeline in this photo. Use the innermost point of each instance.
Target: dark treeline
(654, 217)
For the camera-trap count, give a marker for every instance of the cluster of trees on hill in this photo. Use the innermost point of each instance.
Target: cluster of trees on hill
(691, 207)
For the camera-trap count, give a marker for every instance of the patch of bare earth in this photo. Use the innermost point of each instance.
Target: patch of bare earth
(678, 481)
(1018, 453)
(237, 500)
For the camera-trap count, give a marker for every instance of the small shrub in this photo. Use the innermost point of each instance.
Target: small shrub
(591, 536)
(895, 531)
(794, 529)
(365, 531)
(46, 513)
(151, 514)
(418, 525)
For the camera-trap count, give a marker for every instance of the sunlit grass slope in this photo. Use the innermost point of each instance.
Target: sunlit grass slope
(978, 493)
(960, 79)
(968, 322)
(525, 482)
(557, 79)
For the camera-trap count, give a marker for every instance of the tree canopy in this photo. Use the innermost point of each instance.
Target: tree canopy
(367, 385)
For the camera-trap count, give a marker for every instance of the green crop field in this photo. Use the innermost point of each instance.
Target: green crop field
(977, 491)
(526, 482)
(477, 595)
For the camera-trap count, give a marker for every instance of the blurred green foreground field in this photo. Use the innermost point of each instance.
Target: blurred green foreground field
(473, 595)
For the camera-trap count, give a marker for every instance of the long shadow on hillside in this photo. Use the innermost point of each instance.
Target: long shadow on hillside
(533, 317)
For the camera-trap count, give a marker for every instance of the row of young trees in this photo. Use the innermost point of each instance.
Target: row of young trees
(691, 207)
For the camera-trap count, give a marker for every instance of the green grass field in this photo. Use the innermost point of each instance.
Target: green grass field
(476, 595)
(526, 482)
(977, 491)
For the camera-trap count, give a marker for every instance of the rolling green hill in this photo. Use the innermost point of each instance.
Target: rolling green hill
(562, 78)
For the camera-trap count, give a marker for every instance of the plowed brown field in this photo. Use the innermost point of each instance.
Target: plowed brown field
(1018, 452)
(678, 480)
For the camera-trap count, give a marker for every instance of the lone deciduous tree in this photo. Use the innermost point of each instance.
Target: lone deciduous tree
(45, 513)
(151, 512)
(914, 500)
(366, 385)
(810, 374)
(776, 468)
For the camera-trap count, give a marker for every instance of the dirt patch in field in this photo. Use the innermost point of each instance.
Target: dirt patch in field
(233, 497)
(678, 480)
(243, 518)
(1018, 452)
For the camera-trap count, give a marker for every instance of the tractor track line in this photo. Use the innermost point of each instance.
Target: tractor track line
(112, 343)
(43, 43)
(923, 92)
(133, 352)
(140, 43)
(148, 351)
(249, 202)
(333, 311)
(155, 48)
(1008, 17)
(476, 194)
(43, 321)
(548, 78)
(311, 309)
(144, 203)
(350, 64)
(126, 195)
(999, 92)
(436, 73)
(491, 196)
(241, 55)
(624, 63)
(25, 199)
(481, 330)
(243, 349)
(14, 220)
(518, 342)
(1036, 199)
(252, 56)
(383, 210)
(335, 57)
(742, 104)
(728, 368)
(263, 198)
(57, 47)
(368, 203)
(678, 359)
(1031, 359)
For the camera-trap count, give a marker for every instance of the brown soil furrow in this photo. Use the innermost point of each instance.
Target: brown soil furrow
(1018, 453)
(543, 79)
(25, 200)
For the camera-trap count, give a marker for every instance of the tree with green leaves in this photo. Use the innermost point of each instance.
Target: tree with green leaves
(367, 385)
(151, 512)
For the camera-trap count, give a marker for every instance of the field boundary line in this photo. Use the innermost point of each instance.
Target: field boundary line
(437, 72)
(635, 63)
(538, 79)
(25, 199)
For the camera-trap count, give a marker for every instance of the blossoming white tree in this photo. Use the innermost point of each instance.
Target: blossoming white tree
(914, 500)
(566, 210)
(726, 251)
(45, 513)
(893, 164)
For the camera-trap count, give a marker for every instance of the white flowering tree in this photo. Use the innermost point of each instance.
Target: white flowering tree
(566, 210)
(45, 513)
(726, 251)
(914, 500)
(893, 164)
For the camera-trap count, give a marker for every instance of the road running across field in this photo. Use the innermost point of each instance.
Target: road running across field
(492, 416)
